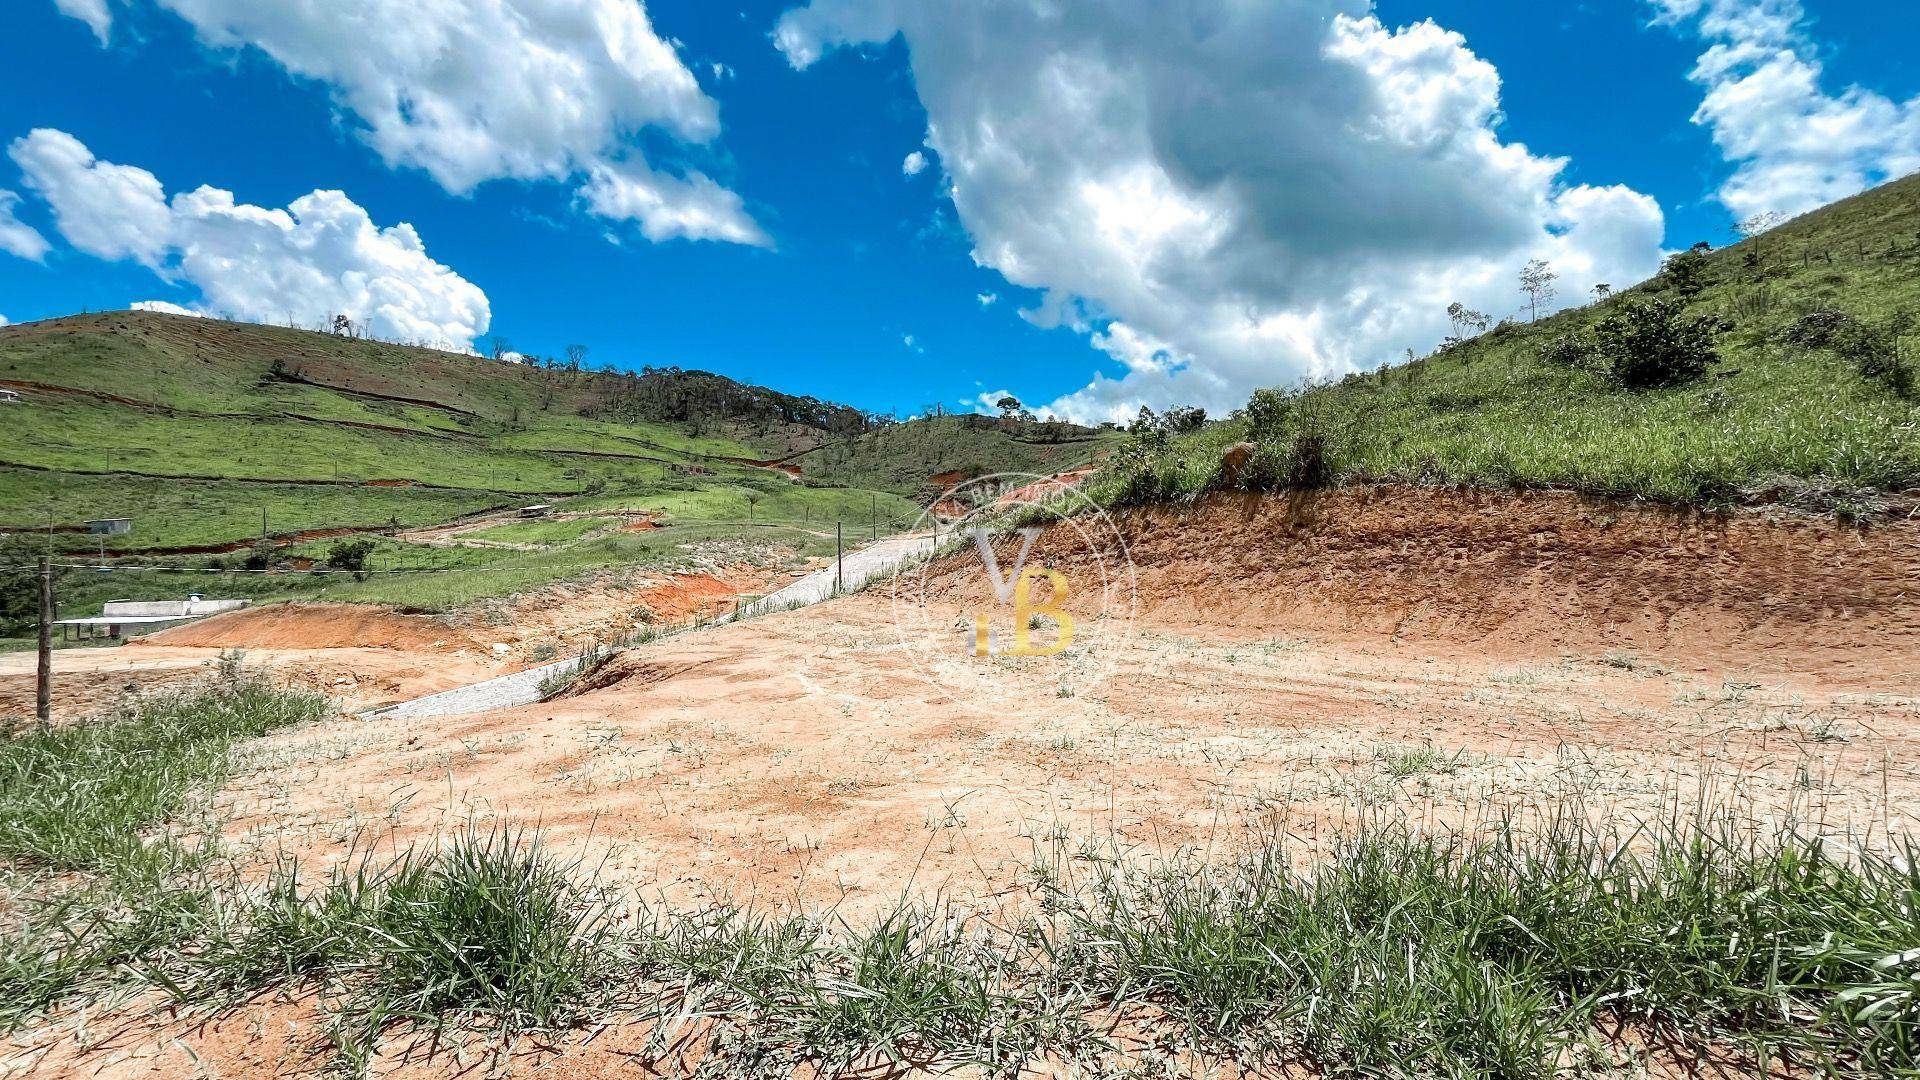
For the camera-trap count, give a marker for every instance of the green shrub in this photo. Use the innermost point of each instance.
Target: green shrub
(1268, 411)
(1874, 350)
(1816, 329)
(260, 555)
(1567, 350)
(1689, 272)
(350, 554)
(1307, 465)
(1653, 344)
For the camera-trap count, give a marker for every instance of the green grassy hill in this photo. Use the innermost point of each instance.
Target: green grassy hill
(194, 426)
(1808, 397)
(199, 429)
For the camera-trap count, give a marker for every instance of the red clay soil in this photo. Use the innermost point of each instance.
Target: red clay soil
(386, 483)
(685, 595)
(1042, 489)
(1516, 574)
(315, 626)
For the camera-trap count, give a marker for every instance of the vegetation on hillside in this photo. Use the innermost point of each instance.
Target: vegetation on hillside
(907, 457)
(1782, 369)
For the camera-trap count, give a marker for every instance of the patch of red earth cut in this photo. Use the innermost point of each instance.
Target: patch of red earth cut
(315, 626)
(948, 508)
(1041, 490)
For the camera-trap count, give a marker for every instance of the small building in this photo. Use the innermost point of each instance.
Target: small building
(121, 618)
(9, 397)
(110, 526)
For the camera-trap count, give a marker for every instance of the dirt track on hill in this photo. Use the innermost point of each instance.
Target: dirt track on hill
(1289, 655)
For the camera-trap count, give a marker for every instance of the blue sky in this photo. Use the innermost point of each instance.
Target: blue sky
(859, 283)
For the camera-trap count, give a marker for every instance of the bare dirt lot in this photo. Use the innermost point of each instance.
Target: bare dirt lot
(1435, 655)
(802, 757)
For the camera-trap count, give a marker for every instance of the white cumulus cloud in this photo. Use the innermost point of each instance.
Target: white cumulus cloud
(478, 90)
(16, 236)
(915, 164)
(92, 12)
(165, 307)
(669, 207)
(113, 211)
(1794, 145)
(1226, 195)
(988, 299)
(320, 256)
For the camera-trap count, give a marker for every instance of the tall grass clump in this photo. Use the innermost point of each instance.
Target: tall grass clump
(1506, 953)
(103, 874)
(920, 986)
(81, 797)
(483, 932)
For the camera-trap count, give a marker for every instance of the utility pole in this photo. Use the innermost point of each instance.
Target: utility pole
(839, 560)
(43, 698)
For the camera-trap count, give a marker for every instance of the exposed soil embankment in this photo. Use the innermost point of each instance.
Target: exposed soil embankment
(316, 626)
(1508, 574)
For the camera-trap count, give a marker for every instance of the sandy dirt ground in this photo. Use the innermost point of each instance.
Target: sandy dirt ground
(1295, 663)
(89, 680)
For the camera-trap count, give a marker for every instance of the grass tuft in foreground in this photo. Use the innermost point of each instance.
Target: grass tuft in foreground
(484, 932)
(100, 872)
(80, 797)
(1507, 953)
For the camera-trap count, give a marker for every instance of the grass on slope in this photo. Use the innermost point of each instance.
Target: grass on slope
(904, 457)
(451, 578)
(182, 513)
(767, 498)
(84, 436)
(1769, 420)
(154, 398)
